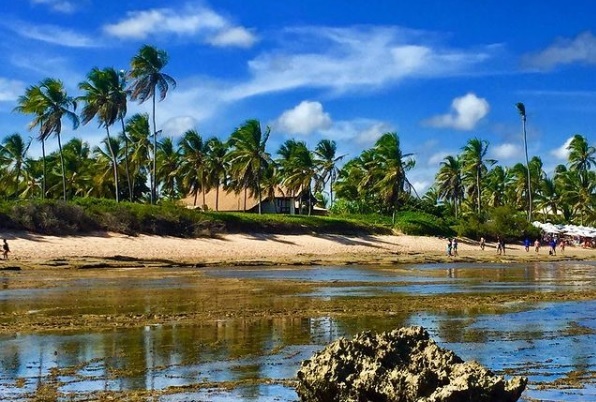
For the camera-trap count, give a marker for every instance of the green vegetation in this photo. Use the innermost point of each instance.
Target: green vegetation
(472, 195)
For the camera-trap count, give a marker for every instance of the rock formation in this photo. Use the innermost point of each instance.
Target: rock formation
(403, 365)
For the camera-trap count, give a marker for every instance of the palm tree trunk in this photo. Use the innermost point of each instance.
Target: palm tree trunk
(154, 175)
(217, 197)
(63, 171)
(126, 166)
(114, 165)
(528, 169)
(478, 189)
(43, 181)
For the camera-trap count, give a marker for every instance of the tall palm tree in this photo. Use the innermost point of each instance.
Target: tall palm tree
(32, 102)
(299, 170)
(193, 166)
(56, 104)
(582, 156)
(138, 134)
(388, 168)
(103, 173)
(102, 99)
(13, 150)
(120, 95)
(521, 108)
(475, 166)
(326, 161)
(169, 164)
(146, 71)
(216, 165)
(449, 181)
(248, 157)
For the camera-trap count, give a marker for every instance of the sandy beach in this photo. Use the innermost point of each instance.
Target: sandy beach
(241, 249)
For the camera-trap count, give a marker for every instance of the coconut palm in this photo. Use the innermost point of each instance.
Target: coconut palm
(169, 163)
(449, 181)
(299, 170)
(102, 100)
(120, 97)
(138, 134)
(55, 104)
(326, 161)
(521, 108)
(475, 167)
(193, 164)
(33, 102)
(248, 157)
(13, 154)
(216, 166)
(582, 157)
(146, 71)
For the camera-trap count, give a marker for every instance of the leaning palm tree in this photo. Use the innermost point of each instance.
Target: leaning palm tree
(101, 101)
(248, 158)
(522, 112)
(55, 104)
(146, 71)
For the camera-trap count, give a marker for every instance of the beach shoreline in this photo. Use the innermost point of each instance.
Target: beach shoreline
(30, 250)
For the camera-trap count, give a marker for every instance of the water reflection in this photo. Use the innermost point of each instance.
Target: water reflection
(543, 341)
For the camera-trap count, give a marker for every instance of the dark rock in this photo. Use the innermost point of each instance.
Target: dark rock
(403, 365)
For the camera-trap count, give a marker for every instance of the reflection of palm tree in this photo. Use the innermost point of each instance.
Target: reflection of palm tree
(522, 112)
(148, 78)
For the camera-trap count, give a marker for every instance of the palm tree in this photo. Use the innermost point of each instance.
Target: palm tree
(55, 104)
(248, 157)
(388, 168)
(146, 71)
(102, 101)
(32, 102)
(582, 157)
(13, 150)
(169, 164)
(120, 96)
(137, 133)
(298, 169)
(450, 181)
(216, 166)
(326, 161)
(474, 167)
(193, 167)
(522, 112)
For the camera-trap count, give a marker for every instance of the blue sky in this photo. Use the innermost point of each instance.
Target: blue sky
(436, 72)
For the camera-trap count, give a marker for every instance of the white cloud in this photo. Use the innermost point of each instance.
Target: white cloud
(466, 112)
(177, 126)
(562, 152)
(10, 90)
(189, 21)
(62, 6)
(506, 151)
(437, 158)
(304, 119)
(581, 49)
(347, 59)
(235, 36)
(53, 34)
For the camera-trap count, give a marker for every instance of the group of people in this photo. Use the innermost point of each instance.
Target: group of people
(552, 243)
(452, 247)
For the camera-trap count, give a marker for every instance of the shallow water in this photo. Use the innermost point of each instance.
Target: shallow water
(544, 341)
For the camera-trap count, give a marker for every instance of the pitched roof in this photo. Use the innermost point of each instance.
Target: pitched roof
(228, 200)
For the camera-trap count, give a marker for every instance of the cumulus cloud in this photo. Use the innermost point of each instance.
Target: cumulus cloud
(437, 158)
(465, 113)
(189, 21)
(562, 152)
(352, 58)
(304, 119)
(506, 151)
(581, 49)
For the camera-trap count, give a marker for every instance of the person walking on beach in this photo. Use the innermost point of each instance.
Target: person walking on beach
(454, 246)
(553, 247)
(527, 244)
(537, 245)
(499, 247)
(5, 249)
(482, 243)
(449, 247)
